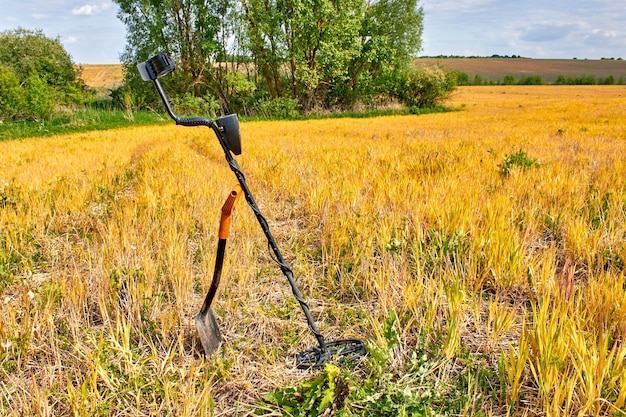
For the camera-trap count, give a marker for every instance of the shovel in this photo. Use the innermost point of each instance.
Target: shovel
(205, 320)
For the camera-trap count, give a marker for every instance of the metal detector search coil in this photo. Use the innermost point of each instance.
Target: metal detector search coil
(226, 130)
(347, 350)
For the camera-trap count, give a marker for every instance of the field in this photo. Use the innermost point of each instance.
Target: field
(102, 76)
(495, 69)
(479, 253)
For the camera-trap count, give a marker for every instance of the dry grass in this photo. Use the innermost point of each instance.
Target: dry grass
(102, 75)
(108, 241)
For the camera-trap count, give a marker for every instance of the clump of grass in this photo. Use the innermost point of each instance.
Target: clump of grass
(518, 160)
(391, 381)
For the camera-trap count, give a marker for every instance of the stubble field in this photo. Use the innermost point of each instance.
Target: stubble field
(479, 253)
(495, 69)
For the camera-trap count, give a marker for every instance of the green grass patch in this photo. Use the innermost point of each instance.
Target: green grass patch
(86, 120)
(83, 120)
(519, 160)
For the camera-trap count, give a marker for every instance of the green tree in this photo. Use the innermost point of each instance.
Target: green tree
(11, 94)
(40, 97)
(333, 49)
(26, 52)
(196, 33)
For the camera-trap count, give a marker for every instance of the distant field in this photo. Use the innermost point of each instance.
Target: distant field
(490, 69)
(106, 75)
(494, 69)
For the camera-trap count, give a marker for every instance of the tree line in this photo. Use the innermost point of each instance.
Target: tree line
(280, 56)
(463, 79)
(269, 58)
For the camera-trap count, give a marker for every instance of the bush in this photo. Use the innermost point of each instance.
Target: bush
(11, 94)
(583, 80)
(610, 80)
(281, 107)
(188, 104)
(425, 87)
(40, 98)
(461, 78)
(29, 51)
(519, 160)
(509, 80)
(45, 74)
(240, 91)
(530, 80)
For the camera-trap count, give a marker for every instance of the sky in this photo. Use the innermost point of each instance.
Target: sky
(91, 32)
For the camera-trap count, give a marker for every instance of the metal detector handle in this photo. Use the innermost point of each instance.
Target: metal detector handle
(227, 211)
(193, 121)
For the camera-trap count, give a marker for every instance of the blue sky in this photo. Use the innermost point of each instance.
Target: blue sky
(92, 34)
(533, 28)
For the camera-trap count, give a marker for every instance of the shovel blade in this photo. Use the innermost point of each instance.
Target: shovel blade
(208, 332)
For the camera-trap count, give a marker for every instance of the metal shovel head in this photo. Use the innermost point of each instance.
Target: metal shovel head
(208, 331)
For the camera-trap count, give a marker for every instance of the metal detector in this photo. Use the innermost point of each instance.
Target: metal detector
(227, 131)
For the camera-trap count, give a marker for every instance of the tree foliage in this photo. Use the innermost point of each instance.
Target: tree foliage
(36, 75)
(11, 94)
(194, 32)
(251, 53)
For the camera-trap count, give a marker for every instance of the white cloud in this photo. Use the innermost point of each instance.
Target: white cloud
(455, 5)
(70, 39)
(91, 9)
(610, 34)
(39, 16)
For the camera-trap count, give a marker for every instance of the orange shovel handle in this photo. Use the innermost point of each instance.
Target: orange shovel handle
(227, 210)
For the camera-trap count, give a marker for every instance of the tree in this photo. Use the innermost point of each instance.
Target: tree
(331, 47)
(320, 52)
(27, 52)
(194, 32)
(37, 74)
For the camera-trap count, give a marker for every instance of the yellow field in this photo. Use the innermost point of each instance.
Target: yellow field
(102, 75)
(108, 240)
